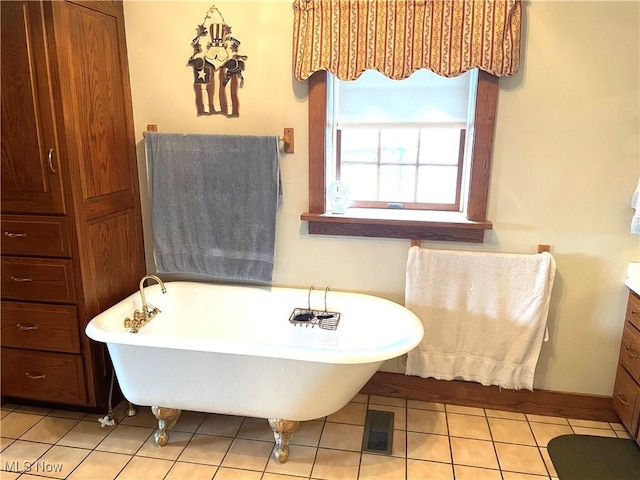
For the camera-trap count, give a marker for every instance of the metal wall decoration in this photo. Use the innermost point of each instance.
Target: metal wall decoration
(217, 67)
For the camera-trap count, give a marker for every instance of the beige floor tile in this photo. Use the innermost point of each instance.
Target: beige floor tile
(361, 397)
(236, 474)
(623, 434)
(308, 433)
(547, 419)
(468, 426)
(144, 418)
(50, 429)
(341, 436)
(511, 431)
(300, 462)
(547, 462)
(420, 405)
(18, 456)
(505, 414)
(389, 401)
(399, 444)
(256, 429)
(420, 469)
(248, 454)
(59, 461)
(523, 476)
(474, 473)
(189, 421)
(353, 413)
(278, 476)
(543, 432)
(100, 465)
(171, 451)
(206, 449)
(4, 412)
(600, 432)
(336, 465)
(214, 424)
(125, 439)
(84, 435)
(473, 453)
(589, 424)
(520, 458)
(192, 471)
(465, 410)
(5, 442)
(372, 466)
(15, 424)
(399, 415)
(427, 421)
(423, 446)
(145, 468)
(618, 427)
(13, 476)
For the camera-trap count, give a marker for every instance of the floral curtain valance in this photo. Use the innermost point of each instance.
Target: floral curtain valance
(397, 37)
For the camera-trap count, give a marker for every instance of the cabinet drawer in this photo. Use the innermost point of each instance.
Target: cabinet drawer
(36, 236)
(48, 280)
(625, 399)
(40, 327)
(630, 350)
(52, 377)
(633, 309)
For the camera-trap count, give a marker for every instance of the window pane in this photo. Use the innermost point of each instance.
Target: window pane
(362, 181)
(399, 145)
(440, 145)
(359, 145)
(437, 184)
(397, 183)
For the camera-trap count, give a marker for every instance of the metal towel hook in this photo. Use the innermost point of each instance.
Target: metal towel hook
(309, 297)
(326, 290)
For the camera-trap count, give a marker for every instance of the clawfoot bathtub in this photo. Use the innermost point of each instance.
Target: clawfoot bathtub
(241, 350)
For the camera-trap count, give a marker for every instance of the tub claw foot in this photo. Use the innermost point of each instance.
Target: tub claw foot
(167, 418)
(283, 430)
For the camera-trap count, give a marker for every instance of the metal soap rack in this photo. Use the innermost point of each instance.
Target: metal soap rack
(310, 317)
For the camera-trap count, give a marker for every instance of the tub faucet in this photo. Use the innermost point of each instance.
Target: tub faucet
(144, 316)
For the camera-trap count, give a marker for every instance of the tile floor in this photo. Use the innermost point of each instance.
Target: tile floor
(431, 441)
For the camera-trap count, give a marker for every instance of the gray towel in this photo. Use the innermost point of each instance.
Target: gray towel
(214, 203)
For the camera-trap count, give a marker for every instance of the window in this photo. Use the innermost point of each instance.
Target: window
(401, 143)
(453, 225)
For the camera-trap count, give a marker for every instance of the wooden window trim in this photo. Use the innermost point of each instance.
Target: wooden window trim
(443, 226)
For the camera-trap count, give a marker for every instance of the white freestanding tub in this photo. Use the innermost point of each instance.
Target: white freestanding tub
(233, 350)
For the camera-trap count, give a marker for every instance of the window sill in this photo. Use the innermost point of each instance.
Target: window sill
(410, 224)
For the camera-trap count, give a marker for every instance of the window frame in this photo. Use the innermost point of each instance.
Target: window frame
(400, 223)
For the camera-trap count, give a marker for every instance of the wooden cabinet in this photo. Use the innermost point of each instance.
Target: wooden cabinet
(71, 227)
(626, 394)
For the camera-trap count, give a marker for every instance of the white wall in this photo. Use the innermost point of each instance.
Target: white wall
(566, 160)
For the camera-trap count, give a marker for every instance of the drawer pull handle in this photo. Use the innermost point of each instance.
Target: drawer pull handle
(634, 312)
(21, 279)
(25, 328)
(631, 352)
(15, 235)
(37, 376)
(50, 161)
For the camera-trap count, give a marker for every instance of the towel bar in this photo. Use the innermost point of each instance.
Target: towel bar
(287, 137)
(541, 248)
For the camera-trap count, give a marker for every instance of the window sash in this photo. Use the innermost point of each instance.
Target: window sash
(416, 164)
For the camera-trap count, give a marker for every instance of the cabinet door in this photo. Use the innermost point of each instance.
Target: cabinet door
(31, 180)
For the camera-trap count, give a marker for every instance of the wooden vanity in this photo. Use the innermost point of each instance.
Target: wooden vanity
(626, 393)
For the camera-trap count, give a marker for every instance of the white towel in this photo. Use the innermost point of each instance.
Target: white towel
(635, 221)
(484, 314)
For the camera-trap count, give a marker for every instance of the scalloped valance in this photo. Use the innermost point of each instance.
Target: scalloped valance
(398, 37)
